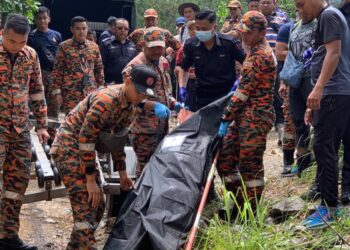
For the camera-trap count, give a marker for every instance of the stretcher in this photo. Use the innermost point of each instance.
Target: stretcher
(49, 180)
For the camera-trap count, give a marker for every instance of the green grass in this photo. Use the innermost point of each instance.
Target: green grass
(257, 231)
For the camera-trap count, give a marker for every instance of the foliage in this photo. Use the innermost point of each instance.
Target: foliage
(256, 230)
(25, 7)
(168, 13)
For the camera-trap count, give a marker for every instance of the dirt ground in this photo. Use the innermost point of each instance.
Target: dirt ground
(48, 224)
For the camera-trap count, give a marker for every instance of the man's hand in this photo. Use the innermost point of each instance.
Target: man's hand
(161, 110)
(43, 135)
(58, 100)
(308, 117)
(283, 90)
(314, 99)
(93, 190)
(125, 182)
(223, 129)
(182, 94)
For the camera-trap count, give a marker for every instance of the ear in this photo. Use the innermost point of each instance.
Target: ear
(127, 80)
(71, 29)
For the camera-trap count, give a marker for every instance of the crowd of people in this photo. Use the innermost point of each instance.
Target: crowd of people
(292, 75)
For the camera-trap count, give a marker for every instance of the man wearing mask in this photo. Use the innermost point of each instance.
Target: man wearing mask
(213, 56)
(328, 103)
(147, 130)
(150, 19)
(78, 69)
(117, 52)
(45, 42)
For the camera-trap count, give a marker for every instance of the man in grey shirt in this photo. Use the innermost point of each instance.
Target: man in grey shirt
(329, 102)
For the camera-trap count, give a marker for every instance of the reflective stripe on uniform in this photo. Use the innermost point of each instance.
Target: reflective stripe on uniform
(87, 146)
(37, 97)
(240, 95)
(232, 178)
(12, 195)
(254, 183)
(82, 226)
(56, 92)
(288, 135)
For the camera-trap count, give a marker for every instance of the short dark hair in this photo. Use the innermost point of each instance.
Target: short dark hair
(78, 19)
(111, 20)
(42, 9)
(206, 14)
(91, 32)
(18, 23)
(121, 19)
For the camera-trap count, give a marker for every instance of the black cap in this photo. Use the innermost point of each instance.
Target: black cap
(183, 6)
(144, 79)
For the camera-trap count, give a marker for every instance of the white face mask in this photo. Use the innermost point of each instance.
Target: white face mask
(337, 3)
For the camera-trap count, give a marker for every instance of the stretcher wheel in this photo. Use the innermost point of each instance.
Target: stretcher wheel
(40, 177)
(37, 167)
(57, 176)
(34, 158)
(47, 150)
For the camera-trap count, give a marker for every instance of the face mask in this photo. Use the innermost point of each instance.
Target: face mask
(204, 36)
(337, 3)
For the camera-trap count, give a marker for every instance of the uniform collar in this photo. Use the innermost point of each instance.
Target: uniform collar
(76, 43)
(23, 52)
(123, 102)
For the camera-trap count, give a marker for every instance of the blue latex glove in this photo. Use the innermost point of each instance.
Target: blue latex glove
(307, 55)
(161, 110)
(223, 129)
(235, 85)
(178, 106)
(182, 94)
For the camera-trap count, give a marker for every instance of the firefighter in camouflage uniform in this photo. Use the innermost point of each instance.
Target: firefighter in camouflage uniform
(249, 116)
(21, 82)
(78, 69)
(110, 110)
(147, 130)
(150, 19)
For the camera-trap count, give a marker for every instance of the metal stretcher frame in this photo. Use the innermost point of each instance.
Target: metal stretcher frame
(48, 176)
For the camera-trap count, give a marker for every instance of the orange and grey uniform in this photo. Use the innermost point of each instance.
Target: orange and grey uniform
(170, 41)
(21, 82)
(74, 150)
(251, 113)
(77, 72)
(147, 130)
(288, 136)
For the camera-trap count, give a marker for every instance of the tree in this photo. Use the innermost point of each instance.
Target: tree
(167, 9)
(24, 7)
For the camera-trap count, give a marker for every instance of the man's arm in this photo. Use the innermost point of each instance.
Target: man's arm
(238, 53)
(37, 96)
(187, 59)
(98, 69)
(58, 72)
(329, 66)
(247, 85)
(171, 41)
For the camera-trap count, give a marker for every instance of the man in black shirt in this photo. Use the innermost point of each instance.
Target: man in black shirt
(112, 23)
(45, 41)
(117, 52)
(213, 56)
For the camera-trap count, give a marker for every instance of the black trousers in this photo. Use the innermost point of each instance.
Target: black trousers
(330, 123)
(297, 106)
(345, 184)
